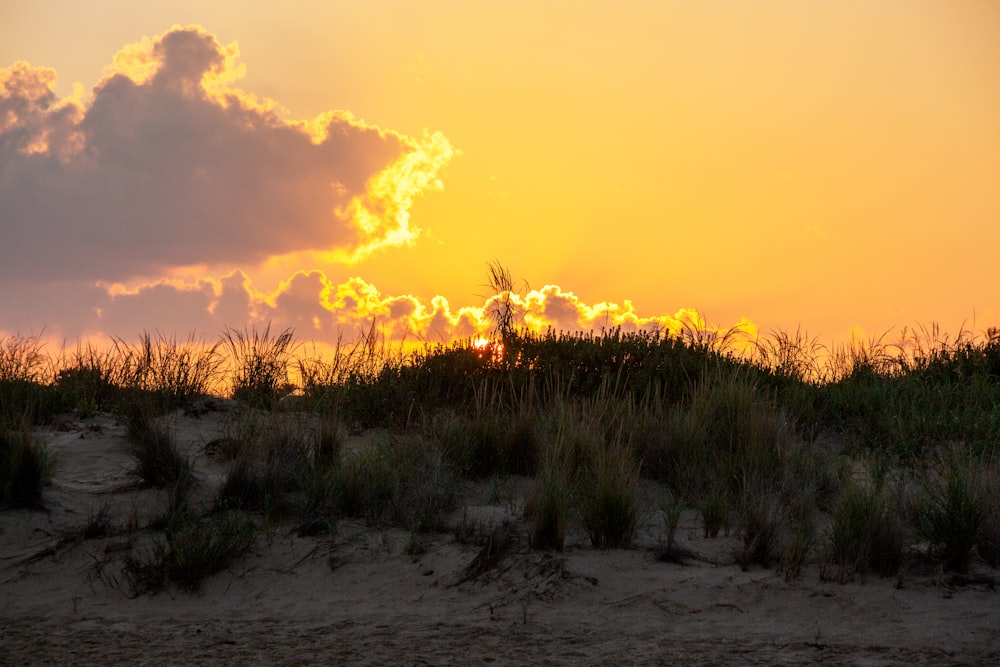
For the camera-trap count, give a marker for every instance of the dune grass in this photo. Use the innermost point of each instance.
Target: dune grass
(609, 506)
(25, 468)
(866, 532)
(951, 511)
(26, 374)
(755, 436)
(158, 461)
(260, 363)
(193, 547)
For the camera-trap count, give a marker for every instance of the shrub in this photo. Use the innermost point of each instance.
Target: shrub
(85, 389)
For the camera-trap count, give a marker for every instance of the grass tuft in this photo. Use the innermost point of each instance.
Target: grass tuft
(951, 511)
(549, 505)
(260, 363)
(25, 468)
(866, 532)
(609, 504)
(158, 461)
(401, 481)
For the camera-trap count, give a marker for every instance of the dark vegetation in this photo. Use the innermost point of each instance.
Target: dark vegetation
(861, 459)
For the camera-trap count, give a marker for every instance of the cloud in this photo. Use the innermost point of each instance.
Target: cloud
(151, 205)
(169, 164)
(320, 310)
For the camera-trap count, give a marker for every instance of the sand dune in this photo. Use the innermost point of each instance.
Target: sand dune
(360, 598)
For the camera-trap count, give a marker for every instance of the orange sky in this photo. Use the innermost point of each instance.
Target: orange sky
(823, 165)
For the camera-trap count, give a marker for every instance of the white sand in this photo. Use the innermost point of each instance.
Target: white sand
(359, 598)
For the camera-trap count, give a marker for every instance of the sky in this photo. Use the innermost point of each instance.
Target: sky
(830, 166)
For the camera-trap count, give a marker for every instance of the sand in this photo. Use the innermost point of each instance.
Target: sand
(360, 597)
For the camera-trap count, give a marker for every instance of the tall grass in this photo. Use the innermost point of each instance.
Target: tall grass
(400, 482)
(549, 506)
(747, 434)
(25, 381)
(608, 496)
(170, 371)
(161, 372)
(159, 463)
(25, 468)
(260, 363)
(951, 511)
(866, 531)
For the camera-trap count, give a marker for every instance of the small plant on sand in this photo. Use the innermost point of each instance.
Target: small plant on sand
(796, 547)
(25, 468)
(193, 546)
(401, 482)
(473, 444)
(246, 487)
(158, 461)
(207, 546)
(271, 468)
(807, 485)
(415, 546)
(522, 442)
(319, 481)
(194, 551)
(715, 508)
(866, 532)
(950, 511)
(328, 442)
(760, 515)
(671, 510)
(610, 508)
(549, 505)
(491, 438)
